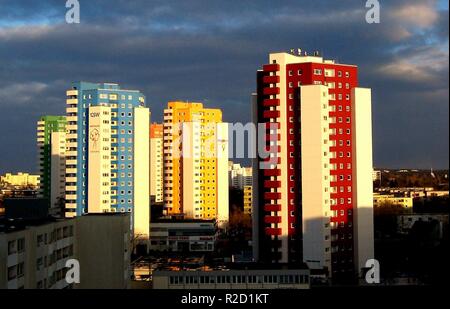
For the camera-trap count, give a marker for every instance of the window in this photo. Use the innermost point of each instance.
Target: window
(317, 72)
(12, 272)
(12, 247)
(20, 269)
(21, 245)
(40, 240)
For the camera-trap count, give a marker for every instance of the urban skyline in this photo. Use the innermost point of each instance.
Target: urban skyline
(205, 145)
(397, 55)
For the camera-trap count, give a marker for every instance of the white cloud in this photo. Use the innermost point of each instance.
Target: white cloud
(420, 15)
(421, 65)
(28, 32)
(21, 93)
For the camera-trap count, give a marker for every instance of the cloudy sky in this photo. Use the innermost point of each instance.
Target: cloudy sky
(209, 50)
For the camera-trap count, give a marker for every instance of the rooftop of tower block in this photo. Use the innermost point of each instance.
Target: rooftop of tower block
(297, 55)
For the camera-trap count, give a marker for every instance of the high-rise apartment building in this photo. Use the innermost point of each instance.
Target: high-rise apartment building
(239, 176)
(313, 195)
(107, 158)
(195, 162)
(156, 162)
(51, 142)
(247, 193)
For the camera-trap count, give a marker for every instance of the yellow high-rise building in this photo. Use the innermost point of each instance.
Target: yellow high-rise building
(195, 162)
(247, 200)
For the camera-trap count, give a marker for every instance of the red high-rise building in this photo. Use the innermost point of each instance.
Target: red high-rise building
(313, 204)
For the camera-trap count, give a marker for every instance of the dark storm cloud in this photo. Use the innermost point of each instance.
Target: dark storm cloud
(209, 51)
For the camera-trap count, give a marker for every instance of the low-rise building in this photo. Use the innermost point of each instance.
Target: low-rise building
(405, 222)
(437, 193)
(404, 202)
(20, 180)
(183, 235)
(246, 277)
(34, 253)
(103, 247)
(35, 256)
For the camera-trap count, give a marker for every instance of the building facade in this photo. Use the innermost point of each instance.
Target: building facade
(380, 200)
(183, 236)
(103, 246)
(239, 176)
(232, 279)
(195, 162)
(156, 162)
(313, 194)
(51, 142)
(248, 200)
(20, 180)
(107, 158)
(33, 255)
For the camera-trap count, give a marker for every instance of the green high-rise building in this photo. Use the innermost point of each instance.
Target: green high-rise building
(51, 139)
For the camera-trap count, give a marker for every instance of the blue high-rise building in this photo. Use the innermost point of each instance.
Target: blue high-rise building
(107, 155)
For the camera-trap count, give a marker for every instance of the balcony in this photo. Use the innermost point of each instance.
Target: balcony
(71, 197)
(272, 160)
(273, 231)
(271, 114)
(274, 149)
(272, 125)
(272, 219)
(271, 67)
(272, 184)
(271, 79)
(272, 207)
(273, 137)
(271, 90)
(272, 195)
(271, 102)
(272, 172)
